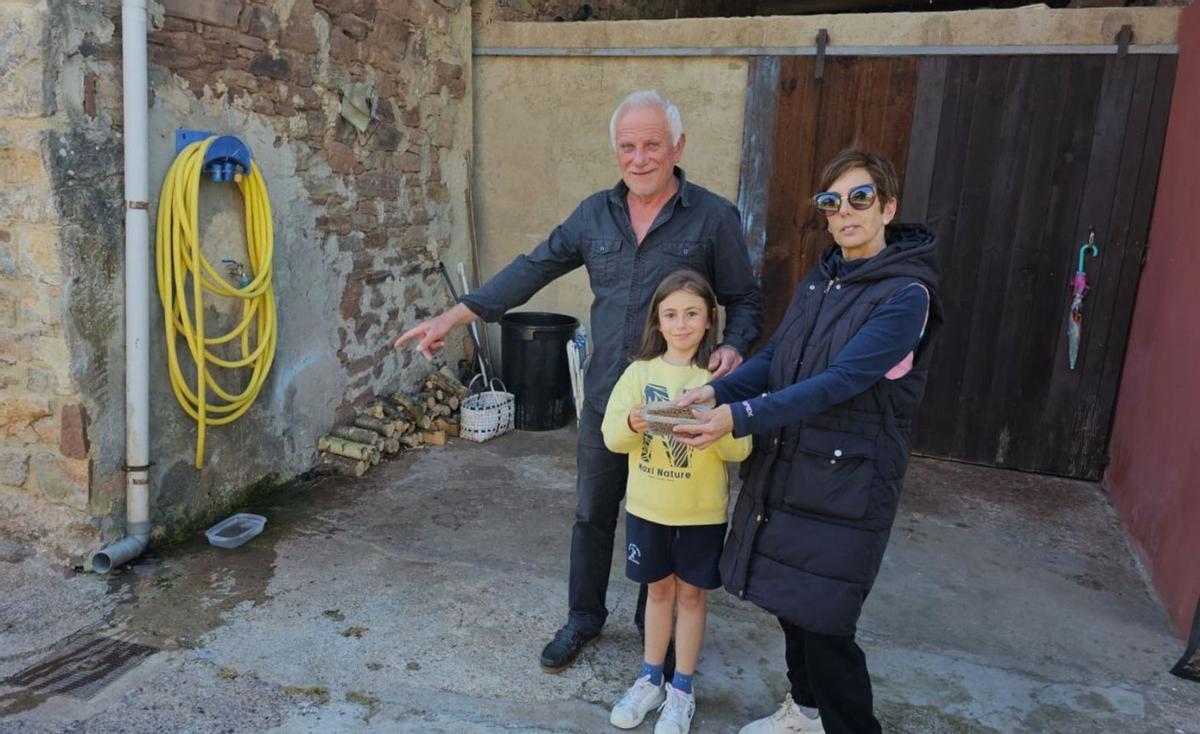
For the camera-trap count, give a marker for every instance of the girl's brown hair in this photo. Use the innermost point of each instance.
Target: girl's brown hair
(689, 281)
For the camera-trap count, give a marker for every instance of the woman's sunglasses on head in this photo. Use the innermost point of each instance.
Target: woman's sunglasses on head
(859, 197)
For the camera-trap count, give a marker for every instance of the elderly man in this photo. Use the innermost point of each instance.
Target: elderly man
(653, 222)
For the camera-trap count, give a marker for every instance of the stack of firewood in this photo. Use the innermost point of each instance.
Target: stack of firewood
(394, 422)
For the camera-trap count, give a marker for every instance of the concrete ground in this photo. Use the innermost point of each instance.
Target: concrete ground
(417, 599)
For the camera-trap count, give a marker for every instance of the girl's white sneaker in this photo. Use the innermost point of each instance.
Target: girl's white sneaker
(641, 698)
(677, 711)
(789, 719)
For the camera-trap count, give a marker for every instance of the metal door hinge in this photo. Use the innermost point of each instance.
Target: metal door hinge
(822, 42)
(1124, 38)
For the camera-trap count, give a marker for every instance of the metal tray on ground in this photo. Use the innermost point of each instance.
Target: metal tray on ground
(235, 530)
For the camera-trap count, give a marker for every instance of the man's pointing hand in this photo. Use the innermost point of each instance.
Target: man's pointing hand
(432, 332)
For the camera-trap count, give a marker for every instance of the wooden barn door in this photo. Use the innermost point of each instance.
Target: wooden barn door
(865, 101)
(1010, 159)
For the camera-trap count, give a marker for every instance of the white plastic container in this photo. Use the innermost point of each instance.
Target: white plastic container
(235, 530)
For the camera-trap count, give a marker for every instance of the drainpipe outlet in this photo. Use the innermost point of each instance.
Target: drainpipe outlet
(125, 549)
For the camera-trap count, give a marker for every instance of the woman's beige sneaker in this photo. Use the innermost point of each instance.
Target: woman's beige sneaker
(789, 719)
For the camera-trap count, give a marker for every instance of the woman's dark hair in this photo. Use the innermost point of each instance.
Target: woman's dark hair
(881, 170)
(653, 343)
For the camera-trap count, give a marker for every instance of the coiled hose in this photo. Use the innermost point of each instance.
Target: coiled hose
(178, 255)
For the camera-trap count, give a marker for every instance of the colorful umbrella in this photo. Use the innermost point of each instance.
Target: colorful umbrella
(1079, 286)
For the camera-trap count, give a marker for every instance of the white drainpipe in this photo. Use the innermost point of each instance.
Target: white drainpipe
(137, 292)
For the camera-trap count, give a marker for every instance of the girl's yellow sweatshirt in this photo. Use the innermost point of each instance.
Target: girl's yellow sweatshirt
(670, 483)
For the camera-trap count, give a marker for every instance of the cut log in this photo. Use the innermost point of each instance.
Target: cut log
(425, 423)
(332, 464)
(371, 423)
(349, 449)
(436, 438)
(412, 440)
(448, 382)
(391, 446)
(447, 427)
(390, 411)
(375, 410)
(356, 434)
(415, 409)
(430, 403)
(453, 402)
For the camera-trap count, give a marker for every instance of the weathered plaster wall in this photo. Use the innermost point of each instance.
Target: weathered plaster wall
(542, 145)
(543, 10)
(361, 220)
(543, 99)
(1035, 24)
(546, 10)
(1155, 465)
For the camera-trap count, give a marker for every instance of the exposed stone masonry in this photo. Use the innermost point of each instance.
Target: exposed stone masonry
(378, 205)
(391, 204)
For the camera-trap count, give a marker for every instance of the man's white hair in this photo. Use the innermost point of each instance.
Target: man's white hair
(647, 98)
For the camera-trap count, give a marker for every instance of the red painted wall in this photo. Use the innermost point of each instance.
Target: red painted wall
(1154, 475)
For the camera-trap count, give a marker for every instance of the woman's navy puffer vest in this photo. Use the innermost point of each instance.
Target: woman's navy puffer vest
(819, 498)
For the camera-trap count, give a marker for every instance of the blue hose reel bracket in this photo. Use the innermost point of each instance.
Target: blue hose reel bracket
(226, 157)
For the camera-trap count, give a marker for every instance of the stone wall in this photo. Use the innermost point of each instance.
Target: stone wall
(361, 221)
(45, 457)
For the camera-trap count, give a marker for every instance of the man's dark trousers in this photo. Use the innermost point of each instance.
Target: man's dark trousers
(600, 486)
(829, 673)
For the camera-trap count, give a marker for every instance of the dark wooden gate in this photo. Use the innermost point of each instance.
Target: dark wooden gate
(858, 100)
(1011, 159)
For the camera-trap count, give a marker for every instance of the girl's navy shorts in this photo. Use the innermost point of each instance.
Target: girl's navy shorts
(691, 552)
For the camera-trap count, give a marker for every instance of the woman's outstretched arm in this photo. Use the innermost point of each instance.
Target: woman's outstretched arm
(889, 335)
(882, 345)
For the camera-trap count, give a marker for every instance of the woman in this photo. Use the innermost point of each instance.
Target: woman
(842, 375)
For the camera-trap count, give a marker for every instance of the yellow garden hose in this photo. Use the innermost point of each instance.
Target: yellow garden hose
(178, 256)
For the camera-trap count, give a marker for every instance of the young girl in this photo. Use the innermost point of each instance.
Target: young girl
(676, 499)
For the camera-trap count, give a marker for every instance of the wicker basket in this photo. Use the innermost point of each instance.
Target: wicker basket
(486, 414)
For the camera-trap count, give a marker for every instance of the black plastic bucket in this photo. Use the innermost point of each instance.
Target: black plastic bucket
(534, 367)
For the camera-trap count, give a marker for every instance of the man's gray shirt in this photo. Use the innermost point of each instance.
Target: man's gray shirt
(696, 229)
